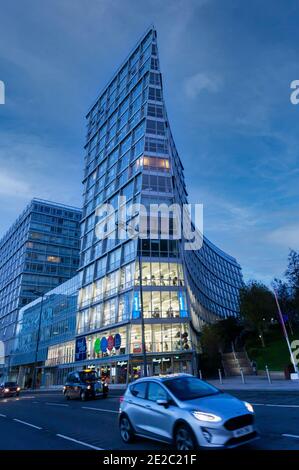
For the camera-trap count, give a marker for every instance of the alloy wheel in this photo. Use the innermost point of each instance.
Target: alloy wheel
(125, 430)
(184, 439)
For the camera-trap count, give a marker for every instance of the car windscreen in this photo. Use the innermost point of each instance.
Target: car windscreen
(10, 384)
(190, 388)
(88, 376)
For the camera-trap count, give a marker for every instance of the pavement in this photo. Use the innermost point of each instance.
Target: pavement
(256, 383)
(38, 421)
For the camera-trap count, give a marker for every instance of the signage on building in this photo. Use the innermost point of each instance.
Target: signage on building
(110, 343)
(117, 341)
(104, 344)
(163, 359)
(80, 349)
(97, 346)
(136, 306)
(137, 348)
(182, 303)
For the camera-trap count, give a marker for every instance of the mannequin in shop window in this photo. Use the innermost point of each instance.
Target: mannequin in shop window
(156, 313)
(170, 312)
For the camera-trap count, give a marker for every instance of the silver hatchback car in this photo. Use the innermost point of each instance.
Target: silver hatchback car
(186, 412)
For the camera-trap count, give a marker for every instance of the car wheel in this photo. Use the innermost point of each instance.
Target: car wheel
(184, 438)
(83, 395)
(126, 430)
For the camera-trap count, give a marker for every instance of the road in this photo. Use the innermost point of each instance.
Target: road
(45, 420)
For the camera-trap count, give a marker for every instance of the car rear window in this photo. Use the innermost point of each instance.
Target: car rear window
(10, 384)
(88, 376)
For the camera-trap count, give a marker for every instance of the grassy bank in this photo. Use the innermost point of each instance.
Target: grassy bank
(275, 355)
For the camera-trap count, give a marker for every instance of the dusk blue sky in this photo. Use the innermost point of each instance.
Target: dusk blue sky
(227, 68)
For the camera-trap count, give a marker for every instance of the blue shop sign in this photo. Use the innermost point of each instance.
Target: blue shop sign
(81, 349)
(117, 341)
(104, 344)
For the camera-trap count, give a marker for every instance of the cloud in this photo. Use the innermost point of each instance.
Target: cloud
(12, 186)
(199, 82)
(31, 167)
(286, 236)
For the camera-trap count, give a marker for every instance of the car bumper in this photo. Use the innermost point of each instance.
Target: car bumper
(9, 394)
(209, 437)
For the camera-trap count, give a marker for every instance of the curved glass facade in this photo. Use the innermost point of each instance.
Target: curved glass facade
(130, 152)
(131, 159)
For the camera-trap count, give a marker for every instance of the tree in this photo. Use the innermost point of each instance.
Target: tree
(286, 300)
(257, 307)
(220, 335)
(227, 331)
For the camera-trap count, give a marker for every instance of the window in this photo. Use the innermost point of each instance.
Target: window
(190, 388)
(156, 392)
(54, 259)
(155, 164)
(139, 390)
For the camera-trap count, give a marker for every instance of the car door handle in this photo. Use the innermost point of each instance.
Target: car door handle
(148, 406)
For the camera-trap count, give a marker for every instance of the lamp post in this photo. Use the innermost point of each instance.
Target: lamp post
(286, 334)
(142, 315)
(37, 342)
(123, 225)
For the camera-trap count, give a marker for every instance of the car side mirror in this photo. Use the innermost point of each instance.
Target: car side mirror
(164, 403)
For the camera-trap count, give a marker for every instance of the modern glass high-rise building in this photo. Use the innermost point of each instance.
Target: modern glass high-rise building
(39, 252)
(130, 152)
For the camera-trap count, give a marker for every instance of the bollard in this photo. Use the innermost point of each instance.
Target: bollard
(268, 375)
(220, 376)
(242, 375)
(200, 374)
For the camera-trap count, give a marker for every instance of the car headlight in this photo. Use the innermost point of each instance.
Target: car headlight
(18, 389)
(6, 390)
(207, 417)
(88, 387)
(249, 407)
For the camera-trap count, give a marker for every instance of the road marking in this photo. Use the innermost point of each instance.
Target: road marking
(290, 435)
(27, 424)
(56, 404)
(79, 442)
(3, 416)
(98, 409)
(274, 405)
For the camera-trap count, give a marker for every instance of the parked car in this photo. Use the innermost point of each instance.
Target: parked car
(9, 389)
(186, 412)
(85, 384)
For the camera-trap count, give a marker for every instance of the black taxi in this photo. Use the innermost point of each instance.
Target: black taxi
(85, 384)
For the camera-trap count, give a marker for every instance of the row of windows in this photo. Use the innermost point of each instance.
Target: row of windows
(119, 124)
(66, 214)
(157, 183)
(106, 313)
(120, 81)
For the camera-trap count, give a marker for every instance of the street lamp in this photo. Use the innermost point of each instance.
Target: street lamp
(142, 314)
(123, 225)
(37, 340)
(286, 334)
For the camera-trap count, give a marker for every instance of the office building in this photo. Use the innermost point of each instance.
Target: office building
(39, 252)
